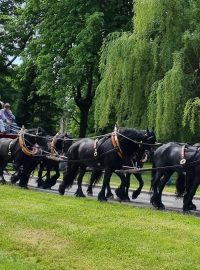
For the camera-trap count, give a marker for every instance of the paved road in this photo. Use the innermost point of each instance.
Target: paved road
(170, 201)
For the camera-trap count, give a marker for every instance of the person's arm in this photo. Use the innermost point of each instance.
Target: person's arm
(12, 115)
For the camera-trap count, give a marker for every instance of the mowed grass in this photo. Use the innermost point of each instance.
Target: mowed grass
(47, 231)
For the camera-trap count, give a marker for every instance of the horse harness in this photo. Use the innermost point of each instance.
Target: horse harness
(115, 144)
(186, 148)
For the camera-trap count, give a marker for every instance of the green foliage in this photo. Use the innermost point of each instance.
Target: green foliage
(191, 117)
(148, 76)
(66, 51)
(167, 102)
(40, 110)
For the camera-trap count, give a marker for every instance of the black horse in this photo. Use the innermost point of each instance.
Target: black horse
(107, 153)
(183, 159)
(23, 152)
(57, 147)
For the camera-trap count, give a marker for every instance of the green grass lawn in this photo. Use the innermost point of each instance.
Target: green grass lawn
(47, 231)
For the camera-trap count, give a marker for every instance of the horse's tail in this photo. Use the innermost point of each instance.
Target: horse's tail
(180, 184)
(96, 176)
(70, 175)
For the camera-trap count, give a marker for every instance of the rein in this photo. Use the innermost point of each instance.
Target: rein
(140, 143)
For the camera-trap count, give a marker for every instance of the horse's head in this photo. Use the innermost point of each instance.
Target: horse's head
(149, 137)
(36, 136)
(62, 142)
(136, 141)
(149, 142)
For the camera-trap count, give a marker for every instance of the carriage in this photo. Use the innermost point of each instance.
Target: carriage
(8, 135)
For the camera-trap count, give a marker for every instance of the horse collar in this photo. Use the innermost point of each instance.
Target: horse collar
(53, 145)
(24, 148)
(115, 143)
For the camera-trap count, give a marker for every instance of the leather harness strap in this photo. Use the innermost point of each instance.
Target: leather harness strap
(53, 145)
(115, 143)
(183, 160)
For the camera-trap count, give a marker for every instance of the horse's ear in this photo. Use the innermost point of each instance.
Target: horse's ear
(147, 129)
(41, 131)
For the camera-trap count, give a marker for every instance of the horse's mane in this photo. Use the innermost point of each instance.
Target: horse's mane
(132, 133)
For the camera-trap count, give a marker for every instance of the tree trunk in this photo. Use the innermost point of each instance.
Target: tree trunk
(84, 110)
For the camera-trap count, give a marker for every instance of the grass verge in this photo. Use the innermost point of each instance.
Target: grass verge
(46, 231)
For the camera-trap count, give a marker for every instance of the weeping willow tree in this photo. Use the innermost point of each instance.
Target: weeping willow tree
(151, 77)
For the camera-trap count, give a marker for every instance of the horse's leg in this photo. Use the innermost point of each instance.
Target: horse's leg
(154, 186)
(79, 191)
(127, 183)
(109, 193)
(51, 181)
(55, 177)
(48, 176)
(95, 176)
(122, 190)
(24, 177)
(28, 166)
(40, 181)
(68, 177)
(161, 186)
(191, 189)
(137, 192)
(15, 177)
(2, 180)
(106, 181)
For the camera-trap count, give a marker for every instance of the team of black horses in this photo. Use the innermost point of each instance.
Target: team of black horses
(105, 155)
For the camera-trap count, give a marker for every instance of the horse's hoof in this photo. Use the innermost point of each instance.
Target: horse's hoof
(154, 204)
(79, 194)
(109, 196)
(14, 179)
(193, 207)
(120, 194)
(61, 190)
(46, 186)
(102, 198)
(2, 182)
(187, 208)
(89, 193)
(127, 199)
(40, 183)
(161, 207)
(23, 186)
(135, 195)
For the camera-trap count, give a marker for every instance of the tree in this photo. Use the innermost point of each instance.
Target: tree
(149, 75)
(32, 109)
(66, 49)
(16, 31)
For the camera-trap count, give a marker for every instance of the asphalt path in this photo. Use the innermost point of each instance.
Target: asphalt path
(170, 201)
